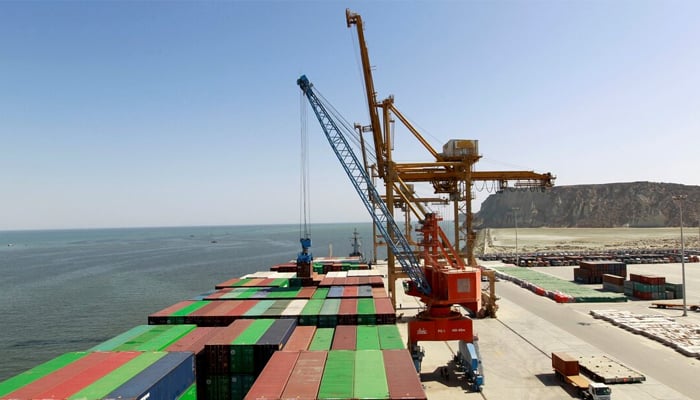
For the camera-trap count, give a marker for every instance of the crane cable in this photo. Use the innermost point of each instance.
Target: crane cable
(304, 192)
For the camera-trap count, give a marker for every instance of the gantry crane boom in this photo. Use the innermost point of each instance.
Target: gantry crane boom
(360, 179)
(355, 19)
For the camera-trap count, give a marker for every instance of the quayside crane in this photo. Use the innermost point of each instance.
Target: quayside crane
(451, 173)
(442, 280)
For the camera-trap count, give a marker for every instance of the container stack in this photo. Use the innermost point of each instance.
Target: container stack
(613, 283)
(339, 374)
(323, 306)
(237, 355)
(593, 271)
(648, 287)
(674, 291)
(105, 374)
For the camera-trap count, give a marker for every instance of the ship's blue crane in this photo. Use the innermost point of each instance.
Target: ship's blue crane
(381, 215)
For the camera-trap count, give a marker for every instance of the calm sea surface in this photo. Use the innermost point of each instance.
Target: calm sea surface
(68, 290)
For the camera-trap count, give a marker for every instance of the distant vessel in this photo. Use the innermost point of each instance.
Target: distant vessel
(356, 245)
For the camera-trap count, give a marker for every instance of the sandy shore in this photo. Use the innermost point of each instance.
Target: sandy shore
(502, 240)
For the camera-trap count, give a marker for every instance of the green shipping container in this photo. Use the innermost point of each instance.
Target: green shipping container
(328, 316)
(390, 337)
(284, 293)
(367, 337)
(242, 348)
(370, 376)
(157, 338)
(280, 282)
(323, 338)
(118, 340)
(320, 293)
(309, 315)
(366, 314)
(178, 317)
(338, 375)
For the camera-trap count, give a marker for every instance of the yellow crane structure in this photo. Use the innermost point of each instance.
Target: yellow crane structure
(450, 172)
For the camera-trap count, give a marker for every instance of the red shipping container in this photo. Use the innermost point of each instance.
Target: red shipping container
(253, 282)
(565, 364)
(273, 378)
(401, 376)
(353, 281)
(301, 338)
(305, 378)
(347, 312)
(350, 291)
(266, 282)
(209, 308)
(376, 281)
(379, 292)
(385, 311)
(326, 282)
(306, 292)
(345, 337)
(228, 283)
(242, 308)
(195, 340)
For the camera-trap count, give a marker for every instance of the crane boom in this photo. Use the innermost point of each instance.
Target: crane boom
(355, 19)
(383, 219)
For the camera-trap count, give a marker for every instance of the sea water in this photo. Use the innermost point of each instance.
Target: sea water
(69, 290)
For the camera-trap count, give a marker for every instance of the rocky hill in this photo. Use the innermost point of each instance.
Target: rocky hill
(633, 204)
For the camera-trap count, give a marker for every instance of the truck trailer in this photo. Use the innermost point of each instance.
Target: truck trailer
(567, 370)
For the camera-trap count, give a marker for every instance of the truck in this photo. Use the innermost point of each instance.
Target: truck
(467, 359)
(567, 370)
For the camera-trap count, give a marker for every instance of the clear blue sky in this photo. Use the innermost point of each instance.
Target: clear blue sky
(187, 113)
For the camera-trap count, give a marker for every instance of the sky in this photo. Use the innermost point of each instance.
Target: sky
(174, 113)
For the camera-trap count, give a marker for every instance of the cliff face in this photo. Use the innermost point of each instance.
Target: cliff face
(633, 204)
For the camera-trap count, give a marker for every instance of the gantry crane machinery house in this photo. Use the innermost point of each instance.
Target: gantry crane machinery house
(451, 172)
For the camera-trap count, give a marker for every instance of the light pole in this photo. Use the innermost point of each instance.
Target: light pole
(515, 215)
(679, 200)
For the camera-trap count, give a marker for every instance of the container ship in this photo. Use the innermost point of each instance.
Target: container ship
(266, 335)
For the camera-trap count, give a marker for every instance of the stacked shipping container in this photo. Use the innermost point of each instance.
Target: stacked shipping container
(648, 287)
(338, 374)
(100, 374)
(593, 271)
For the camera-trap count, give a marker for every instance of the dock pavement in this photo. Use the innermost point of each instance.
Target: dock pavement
(515, 349)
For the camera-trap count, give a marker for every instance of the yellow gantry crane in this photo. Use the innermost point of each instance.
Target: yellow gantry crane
(450, 172)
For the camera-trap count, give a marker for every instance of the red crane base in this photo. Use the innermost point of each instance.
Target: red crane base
(459, 328)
